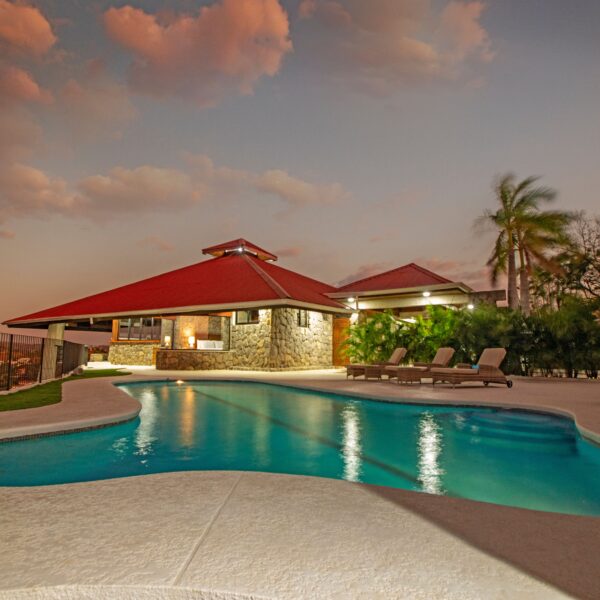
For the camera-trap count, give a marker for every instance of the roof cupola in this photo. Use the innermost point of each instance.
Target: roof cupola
(239, 246)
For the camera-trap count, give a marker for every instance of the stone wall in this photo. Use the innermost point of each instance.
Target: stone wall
(126, 353)
(194, 360)
(251, 343)
(275, 343)
(294, 347)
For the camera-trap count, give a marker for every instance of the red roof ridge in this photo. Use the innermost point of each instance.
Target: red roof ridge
(276, 287)
(428, 272)
(411, 264)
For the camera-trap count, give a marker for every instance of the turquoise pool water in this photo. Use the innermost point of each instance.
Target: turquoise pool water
(508, 457)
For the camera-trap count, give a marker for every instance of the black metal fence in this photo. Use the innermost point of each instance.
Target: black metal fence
(25, 359)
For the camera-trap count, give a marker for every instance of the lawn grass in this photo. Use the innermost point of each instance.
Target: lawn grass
(49, 393)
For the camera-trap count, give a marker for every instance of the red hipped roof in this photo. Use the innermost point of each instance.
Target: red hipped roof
(231, 280)
(407, 276)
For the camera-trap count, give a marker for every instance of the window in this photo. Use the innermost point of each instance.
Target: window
(139, 329)
(302, 318)
(246, 317)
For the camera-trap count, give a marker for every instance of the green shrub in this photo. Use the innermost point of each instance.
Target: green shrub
(567, 338)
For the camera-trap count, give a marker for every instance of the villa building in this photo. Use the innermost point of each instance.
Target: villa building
(239, 310)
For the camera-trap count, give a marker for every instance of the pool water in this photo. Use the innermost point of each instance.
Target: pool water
(515, 458)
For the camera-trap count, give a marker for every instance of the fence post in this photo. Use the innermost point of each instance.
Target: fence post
(40, 378)
(9, 374)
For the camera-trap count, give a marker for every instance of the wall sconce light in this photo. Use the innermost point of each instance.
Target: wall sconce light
(192, 341)
(470, 306)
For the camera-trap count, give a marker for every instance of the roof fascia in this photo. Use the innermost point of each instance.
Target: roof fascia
(402, 291)
(187, 310)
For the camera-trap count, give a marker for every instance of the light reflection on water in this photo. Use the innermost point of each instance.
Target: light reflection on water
(430, 447)
(187, 418)
(351, 443)
(145, 434)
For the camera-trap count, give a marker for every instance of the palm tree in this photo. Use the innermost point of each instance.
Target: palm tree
(503, 260)
(525, 230)
(539, 234)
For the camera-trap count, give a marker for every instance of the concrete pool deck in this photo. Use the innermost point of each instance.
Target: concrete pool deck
(225, 535)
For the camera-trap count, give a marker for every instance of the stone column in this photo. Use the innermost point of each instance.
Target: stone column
(53, 341)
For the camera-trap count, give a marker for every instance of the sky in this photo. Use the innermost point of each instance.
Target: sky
(348, 137)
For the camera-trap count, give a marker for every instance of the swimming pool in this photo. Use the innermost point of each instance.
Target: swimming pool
(515, 458)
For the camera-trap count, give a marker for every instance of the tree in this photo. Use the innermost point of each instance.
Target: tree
(502, 259)
(540, 234)
(579, 266)
(525, 231)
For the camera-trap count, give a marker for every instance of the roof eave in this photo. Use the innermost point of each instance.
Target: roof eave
(279, 303)
(402, 291)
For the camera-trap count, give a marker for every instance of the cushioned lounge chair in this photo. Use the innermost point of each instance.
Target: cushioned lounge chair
(420, 369)
(487, 370)
(376, 369)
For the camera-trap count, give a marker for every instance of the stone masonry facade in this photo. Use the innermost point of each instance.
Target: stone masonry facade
(277, 342)
(126, 353)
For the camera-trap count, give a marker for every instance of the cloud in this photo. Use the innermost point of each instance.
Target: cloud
(144, 189)
(27, 191)
(6, 235)
(381, 46)
(24, 30)
(297, 192)
(95, 104)
(18, 86)
(462, 32)
(292, 191)
(223, 48)
(156, 243)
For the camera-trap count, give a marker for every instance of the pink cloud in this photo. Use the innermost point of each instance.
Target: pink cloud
(382, 45)
(298, 192)
(17, 85)
(6, 235)
(226, 47)
(27, 191)
(142, 189)
(24, 29)
(155, 242)
(292, 191)
(463, 33)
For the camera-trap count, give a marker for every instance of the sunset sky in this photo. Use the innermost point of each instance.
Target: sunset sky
(348, 137)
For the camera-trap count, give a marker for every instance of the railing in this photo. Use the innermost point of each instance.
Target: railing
(25, 360)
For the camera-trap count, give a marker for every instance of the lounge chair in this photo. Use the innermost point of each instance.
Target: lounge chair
(375, 369)
(487, 370)
(420, 369)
